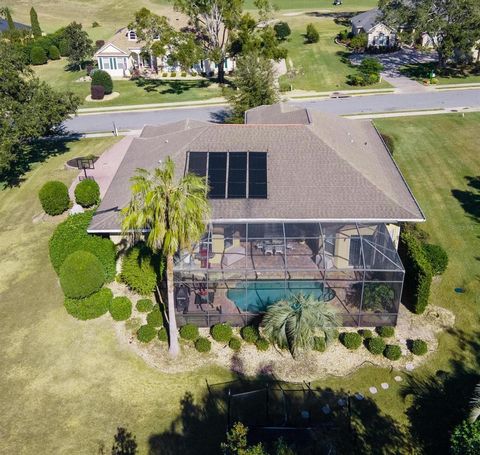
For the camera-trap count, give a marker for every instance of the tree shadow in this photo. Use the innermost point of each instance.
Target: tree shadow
(174, 87)
(124, 443)
(470, 199)
(423, 70)
(220, 116)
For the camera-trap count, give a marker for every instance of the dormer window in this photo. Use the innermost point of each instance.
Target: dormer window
(132, 36)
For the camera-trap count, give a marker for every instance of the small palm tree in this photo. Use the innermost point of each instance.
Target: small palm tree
(171, 215)
(475, 404)
(292, 323)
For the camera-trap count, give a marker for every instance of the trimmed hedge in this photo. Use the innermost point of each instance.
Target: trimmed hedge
(81, 275)
(418, 347)
(418, 273)
(235, 344)
(221, 333)
(87, 193)
(162, 334)
(262, 344)
(437, 257)
(54, 197)
(38, 56)
(91, 307)
(386, 331)
(351, 340)
(392, 352)
(250, 333)
(189, 332)
(71, 235)
(141, 269)
(100, 77)
(203, 344)
(319, 344)
(146, 333)
(144, 305)
(365, 333)
(375, 345)
(121, 308)
(53, 53)
(155, 317)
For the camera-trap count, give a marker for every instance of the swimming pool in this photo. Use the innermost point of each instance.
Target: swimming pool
(261, 294)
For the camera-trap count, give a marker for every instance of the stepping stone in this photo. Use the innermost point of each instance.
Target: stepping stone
(398, 378)
(384, 385)
(409, 367)
(359, 396)
(342, 402)
(326, 409)
(373, 390)
(77, 208)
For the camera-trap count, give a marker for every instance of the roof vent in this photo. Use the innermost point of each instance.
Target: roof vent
(166, 141)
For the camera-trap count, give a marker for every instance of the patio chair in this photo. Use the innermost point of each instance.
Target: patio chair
(279, 250)
(268, 250)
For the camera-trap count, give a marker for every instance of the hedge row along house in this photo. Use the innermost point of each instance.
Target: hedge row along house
(301, 201)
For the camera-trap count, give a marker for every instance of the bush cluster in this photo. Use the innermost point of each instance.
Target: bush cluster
(351, 340)
(91, 307)
(38, 56)
(386, 331)
(54, 197)
(100, 77)
(312, 35)
(81, 275)
(437, 257)
(87, 193)
(146, 333)
(262, 344)
(375, 345)
(392, 352)
(366, 333)
(250, 333)
(235, 344)
(203, 344)
(155, 317)
(141, 269)
(189, 332)
(162, 334)
(121, 308)
(221, 333)
(419, 347)
(144, 305)
(319, 344)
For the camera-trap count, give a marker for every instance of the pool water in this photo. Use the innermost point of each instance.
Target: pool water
(260, 295)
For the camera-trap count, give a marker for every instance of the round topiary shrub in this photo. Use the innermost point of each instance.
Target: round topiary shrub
(121, 308)
(146, 333)
(162, 334)
(235, 344)
(53, 53)
(386, 331)
(189, 332)
(100, 77)
(144, 305)
(365, 333)
(319, 344)
(87, 193)
(375, 345)
(64, 48)
(38, 56)
(465, 438)
(203, 344)
(392, 352)
(221, 333)
(54, 197)
(250, 333)
(437, 257)
(91, 307)
(97, 92)
(418, 347)
(155, 317)
(351, 340)
(262, 344)
(81, 275)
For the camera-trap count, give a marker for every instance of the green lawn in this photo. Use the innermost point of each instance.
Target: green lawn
(421, 71)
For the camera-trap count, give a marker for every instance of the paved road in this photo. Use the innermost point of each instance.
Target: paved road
(342, 106)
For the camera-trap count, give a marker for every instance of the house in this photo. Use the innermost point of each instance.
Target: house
(302, 201)
(379, 34)
(123, 53)
(18, 26)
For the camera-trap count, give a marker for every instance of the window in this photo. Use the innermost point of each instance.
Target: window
(106, 63)
(120, 63)
(132, 36)
(232, 175)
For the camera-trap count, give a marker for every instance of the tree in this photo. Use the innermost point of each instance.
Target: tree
(5, 12)
(291, 324)
(282, 30)
(185, 51)
(80, 46)
(36, 30)
(312, 35)
(254, 83)
(237, 443)
(173, 213)
(465, 439)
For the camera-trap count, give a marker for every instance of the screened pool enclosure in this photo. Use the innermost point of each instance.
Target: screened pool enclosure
(237, 270)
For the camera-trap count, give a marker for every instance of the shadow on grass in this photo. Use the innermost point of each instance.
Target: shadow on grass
(174, 87)
(470, 199)
(423, 70)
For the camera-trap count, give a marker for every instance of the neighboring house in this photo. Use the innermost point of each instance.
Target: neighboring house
(18, 26)
(120, 55)
(379, 34)
(302, 201)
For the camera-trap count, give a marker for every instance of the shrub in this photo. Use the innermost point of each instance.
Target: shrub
(392, 352)
(164, 74)
(262, 344)
(356, 80)
(144, 305)
(319, 344)
(437, 257)
(95, 24)
(91, 307)
(386, 331)
(365, 333)
(189, 332)
(155, 317)
(146, 333)
(184, 74)
(104, 79)
(375, 345)
(71, 235)
(141, 269)
(359, 42)
(162, 334)
(312, 35)
(419, 347)
(38, 56)
(221, 333)
(87, 193)
(370, 65)
(235, 344)
(81, 275)
(53, 53)
(282, 30)
(54, 197)
(173, 74)
(99, 43)
(121, 308)
(193, 73)
(64, 48)
(203, 345)
(351, 340)
(465, 438)
(418, 273)
(250, 333)
(97, 92)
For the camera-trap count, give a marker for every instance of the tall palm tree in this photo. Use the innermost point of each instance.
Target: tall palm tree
(475, 404)
(171, 214)
(292, 323)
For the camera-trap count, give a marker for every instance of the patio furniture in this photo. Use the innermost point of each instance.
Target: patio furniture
(279, 250)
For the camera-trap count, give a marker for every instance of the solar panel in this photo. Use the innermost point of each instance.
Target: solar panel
(237, 175)
(217, 174)
(257, 175)
(197, 163)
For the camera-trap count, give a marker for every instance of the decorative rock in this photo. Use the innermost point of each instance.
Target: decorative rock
(373, 390)
(359, 396)
(384, 385)
(77, 208)
(409, 367)
(398, 378)
(326, 409)
(341, 402)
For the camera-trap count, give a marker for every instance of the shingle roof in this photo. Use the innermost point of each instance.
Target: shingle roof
(121, 42)
(330, 169)
(18, 25)
(367, 19)
(280, 113)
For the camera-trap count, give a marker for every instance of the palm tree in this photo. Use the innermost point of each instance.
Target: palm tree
(475, 404)
(171, 215)
(292, 323)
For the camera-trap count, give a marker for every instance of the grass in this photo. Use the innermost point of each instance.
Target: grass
(321, 66)
(463, 75)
